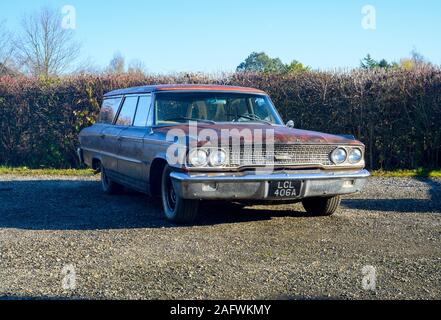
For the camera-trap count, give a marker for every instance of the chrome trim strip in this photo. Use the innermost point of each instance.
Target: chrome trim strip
(103, 153)
(130, 138)
(185, 177)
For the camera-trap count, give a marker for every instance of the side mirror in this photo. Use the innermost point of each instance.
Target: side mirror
(290, 124)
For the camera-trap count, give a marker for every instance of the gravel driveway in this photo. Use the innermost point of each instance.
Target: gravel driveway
(61, 237)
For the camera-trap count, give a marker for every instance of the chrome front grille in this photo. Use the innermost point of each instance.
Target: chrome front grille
(283, 154)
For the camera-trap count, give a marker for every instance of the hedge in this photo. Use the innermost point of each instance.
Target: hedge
(396, 113)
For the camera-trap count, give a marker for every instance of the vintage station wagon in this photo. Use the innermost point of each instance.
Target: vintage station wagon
(187, 143)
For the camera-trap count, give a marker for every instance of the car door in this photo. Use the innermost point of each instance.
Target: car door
(132, 160)
(107, 139)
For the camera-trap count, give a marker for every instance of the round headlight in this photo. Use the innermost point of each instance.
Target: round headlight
(355, 155)
(339, 155)
(198, 158)
(217, 158)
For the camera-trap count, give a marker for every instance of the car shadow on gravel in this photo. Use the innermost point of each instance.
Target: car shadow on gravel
(220, 213)
(407, 205)
(38, 298)
(81, 205)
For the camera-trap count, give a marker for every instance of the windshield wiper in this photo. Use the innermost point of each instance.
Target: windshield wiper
(191, 119)
(250, 117)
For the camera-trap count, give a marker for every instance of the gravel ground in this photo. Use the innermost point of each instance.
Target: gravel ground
(54, 230)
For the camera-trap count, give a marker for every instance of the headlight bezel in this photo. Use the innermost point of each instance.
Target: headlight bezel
(212, 154)
(355, 149)
(197, 152)
(348, 151)
(333, 153)
(209, 161)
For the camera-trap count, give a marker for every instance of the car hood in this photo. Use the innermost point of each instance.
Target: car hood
(282, 134)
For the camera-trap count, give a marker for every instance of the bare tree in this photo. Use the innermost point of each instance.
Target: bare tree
(45, 48)
(87, 66)
(417, 57)
(117, 64)
(6, 50)
(137, 67)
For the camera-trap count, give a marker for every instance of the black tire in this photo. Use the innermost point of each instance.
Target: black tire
(176, 209)
(109, 186)
(321, 206)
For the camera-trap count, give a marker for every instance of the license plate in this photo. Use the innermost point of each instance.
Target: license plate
(285, 189)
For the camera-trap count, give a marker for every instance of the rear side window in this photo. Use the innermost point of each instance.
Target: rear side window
(127, 113)
(109, 110)
(142, 111)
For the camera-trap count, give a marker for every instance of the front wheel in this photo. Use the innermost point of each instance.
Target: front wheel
(321, 206)
(176, 209)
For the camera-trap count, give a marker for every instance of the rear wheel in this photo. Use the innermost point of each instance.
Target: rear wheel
(109, 186)
(321, 206)
(176, 209)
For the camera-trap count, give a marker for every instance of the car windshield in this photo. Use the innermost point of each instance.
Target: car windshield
(172, 108)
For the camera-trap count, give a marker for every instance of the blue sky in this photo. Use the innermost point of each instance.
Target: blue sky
(214, 36)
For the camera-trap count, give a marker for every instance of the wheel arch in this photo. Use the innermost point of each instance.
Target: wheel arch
(155, 175)
(96, 163)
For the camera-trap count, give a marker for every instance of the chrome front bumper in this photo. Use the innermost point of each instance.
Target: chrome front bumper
(244, 186)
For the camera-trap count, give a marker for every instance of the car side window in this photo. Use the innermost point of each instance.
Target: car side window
(127, 113)
(142, 111)
(109, 110)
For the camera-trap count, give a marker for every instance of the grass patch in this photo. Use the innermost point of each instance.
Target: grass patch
(46, 172)
(421, 172)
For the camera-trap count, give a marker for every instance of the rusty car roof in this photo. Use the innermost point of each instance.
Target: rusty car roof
(182, 87)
